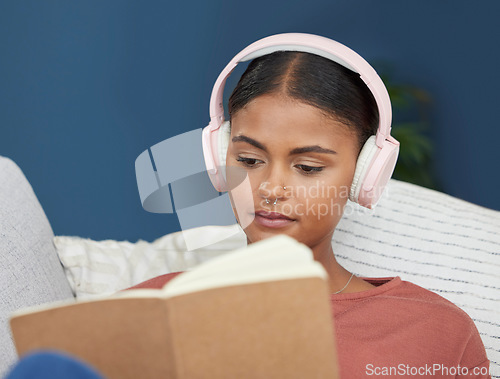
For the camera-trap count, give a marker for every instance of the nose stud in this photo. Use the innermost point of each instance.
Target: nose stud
(275, 200)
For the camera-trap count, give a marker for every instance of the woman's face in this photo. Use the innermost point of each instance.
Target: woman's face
(281, 142)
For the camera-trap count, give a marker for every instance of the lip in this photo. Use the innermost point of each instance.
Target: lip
(272, 215)
(272, 219)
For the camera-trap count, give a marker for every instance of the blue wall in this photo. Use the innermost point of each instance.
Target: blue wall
(86, 86)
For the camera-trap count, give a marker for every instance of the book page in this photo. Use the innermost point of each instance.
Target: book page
(276, 258)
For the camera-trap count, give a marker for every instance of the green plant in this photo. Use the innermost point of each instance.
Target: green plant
(410, 127)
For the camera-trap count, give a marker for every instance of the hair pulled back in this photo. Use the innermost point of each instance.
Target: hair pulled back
(313, 80)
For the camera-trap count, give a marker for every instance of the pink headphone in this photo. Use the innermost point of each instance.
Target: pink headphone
(378, 156)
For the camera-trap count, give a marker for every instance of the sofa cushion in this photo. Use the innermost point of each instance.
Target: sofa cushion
(30, 271)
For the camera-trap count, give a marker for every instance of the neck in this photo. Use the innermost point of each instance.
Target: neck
(338, 275)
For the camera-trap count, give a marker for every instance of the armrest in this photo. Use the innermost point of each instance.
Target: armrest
(30, 271)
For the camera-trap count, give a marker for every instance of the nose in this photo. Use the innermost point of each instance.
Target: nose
(273, 187)
(272, 192)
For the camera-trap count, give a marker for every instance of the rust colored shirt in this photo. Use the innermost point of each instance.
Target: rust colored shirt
(399, 329)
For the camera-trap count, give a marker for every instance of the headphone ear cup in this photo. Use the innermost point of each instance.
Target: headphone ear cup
(223, 136)
(215, 140)
(363, 163)
(376, 165)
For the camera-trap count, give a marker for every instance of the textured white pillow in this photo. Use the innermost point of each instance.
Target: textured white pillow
(98, 268)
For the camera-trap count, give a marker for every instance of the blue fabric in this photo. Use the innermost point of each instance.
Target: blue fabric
(52, 365)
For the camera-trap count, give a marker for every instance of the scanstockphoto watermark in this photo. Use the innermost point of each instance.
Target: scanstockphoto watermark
(318, 190)
(318, 200)
(435, 369)
(319, 210)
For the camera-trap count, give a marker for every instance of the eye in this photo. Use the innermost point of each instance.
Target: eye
(253, 162)
(309, 170)
(248, 162)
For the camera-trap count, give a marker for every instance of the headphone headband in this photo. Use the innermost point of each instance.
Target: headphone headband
(314, 44)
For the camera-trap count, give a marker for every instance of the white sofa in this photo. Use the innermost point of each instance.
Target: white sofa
(439, 242)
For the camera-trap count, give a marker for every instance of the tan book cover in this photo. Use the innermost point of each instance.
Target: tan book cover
(260, 312)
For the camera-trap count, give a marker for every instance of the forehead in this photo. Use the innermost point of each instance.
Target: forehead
(272, 118)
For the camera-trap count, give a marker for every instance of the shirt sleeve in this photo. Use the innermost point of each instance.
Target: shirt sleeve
(474, 362)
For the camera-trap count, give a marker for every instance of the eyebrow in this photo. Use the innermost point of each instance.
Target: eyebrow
(298, 150)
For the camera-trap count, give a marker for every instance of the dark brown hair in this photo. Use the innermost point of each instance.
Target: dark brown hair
(314, 80)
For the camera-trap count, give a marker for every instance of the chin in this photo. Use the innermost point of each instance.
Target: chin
(255, 234)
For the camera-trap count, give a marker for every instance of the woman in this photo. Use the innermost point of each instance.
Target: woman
(299, 124)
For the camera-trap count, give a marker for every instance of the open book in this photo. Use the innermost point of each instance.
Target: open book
(259, 312)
